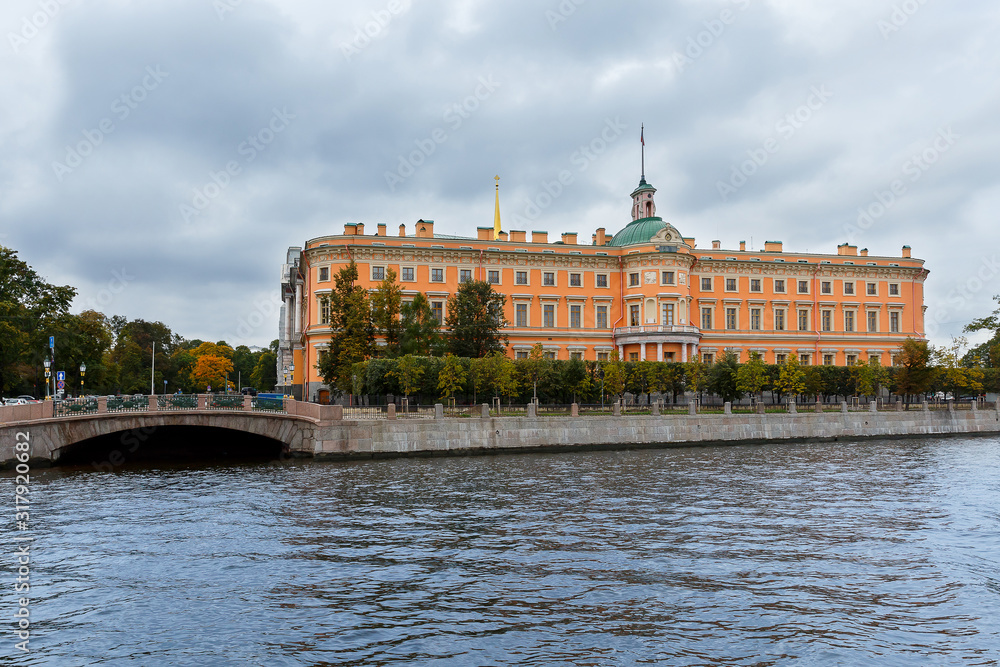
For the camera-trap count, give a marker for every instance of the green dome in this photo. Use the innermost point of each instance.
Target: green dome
(638, 231)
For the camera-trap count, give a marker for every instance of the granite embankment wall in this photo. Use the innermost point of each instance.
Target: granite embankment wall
(388, 438)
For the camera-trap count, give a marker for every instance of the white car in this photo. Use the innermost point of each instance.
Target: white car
(14, 401)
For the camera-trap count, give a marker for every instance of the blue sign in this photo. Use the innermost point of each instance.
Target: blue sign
(52, 342)
(61, 376)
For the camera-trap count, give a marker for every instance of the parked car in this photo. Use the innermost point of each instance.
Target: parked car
(248, 391)
(14, 401)
(29, 399)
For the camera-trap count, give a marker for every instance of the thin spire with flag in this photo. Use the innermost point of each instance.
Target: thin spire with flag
(496, 212)
(642, 140)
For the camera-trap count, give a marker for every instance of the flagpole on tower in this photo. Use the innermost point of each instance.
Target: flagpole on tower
(496, 212)
(642, 140)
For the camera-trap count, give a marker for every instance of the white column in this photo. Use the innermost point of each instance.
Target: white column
(298, 309)
(642, 352)
(659, 351)
(288, 320)
(621, 353)
(684, 352)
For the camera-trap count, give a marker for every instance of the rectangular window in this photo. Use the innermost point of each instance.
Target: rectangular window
(550, 355)
(668, 314)
(849, 320)
(407, 272)
(894, 322)
(779, 359)
(576, 355)
(827, 318)
(708, 357)
(378, 273)
(826, 287)
(872, 289)
(602, 280)
(521, 314)
(465, 275)
(730, 318)
(730, 284)
(521, 277)
(667, 278)
(804, 359)
(755, 319)
(437, 275)
(803, 320)
(574, 317)
(324, 274)
(828, 360)
(324, 310)
(633, 279)
(706, 318)
(437, 310)
(602, 356)
(894, 289)
(493, 277)
(852, 359)
(549, 279)
(633, 356)
(779, 286)
(548, 316)
(521, 354)
(803, 287)
(575, 280)
(848, 289)
(779, 319)
(755, 285)
(872, 321)
(633, 315)
(602, 317)
(706, 284)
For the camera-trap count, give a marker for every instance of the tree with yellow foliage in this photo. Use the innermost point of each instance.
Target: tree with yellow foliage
(211, 370)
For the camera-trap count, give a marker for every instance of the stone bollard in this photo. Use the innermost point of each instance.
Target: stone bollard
(899, 405)
(761, 408)
(486, 410)
(727, 408)
(203, 401)
(692, 407)
(438, 411)
(925, 406)
(153, 405)
(655, 410)
(532, 410)
(975, 406)
(819, 406)
(574, 410)
(793, 408)
(873, 406)
(390, 412)
(102, 404)
(247, 403)
(998, 405)
(616, 409)
(951, 405)
(843, 407)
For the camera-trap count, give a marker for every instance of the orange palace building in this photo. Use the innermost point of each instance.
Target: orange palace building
(647, 292)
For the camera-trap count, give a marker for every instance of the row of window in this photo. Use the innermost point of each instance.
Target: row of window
(803, 317)
(805, 358)
(780, 286)
(549, 316)
(437, 309)
(549, 278)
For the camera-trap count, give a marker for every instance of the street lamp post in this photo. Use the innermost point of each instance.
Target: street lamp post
(83, 369)
(48, 365)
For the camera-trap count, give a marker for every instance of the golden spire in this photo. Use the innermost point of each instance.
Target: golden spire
(496, 213)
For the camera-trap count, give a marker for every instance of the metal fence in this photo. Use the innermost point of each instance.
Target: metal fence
(75, 406)
(127, 404)
(262, 404)
(177, 402)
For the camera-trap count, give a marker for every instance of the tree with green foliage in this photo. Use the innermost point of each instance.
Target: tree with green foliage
(476, 320)
(574, 376)
(871, 377)
(722, 378)
(696, 373)
(452, 377)
(791, 379)
(353, 334)
(952, 375)
(913, 374)
(986, 354)
(265, 373)
(751, 378)
(409, 373)
(386, 304)
(421, 332)
(614, 376)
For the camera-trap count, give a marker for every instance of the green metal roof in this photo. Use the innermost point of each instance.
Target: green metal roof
(643, 185)
(638, 231)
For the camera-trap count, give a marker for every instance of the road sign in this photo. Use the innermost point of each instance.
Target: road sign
(52, 342)
(60, 385)
(61, 376)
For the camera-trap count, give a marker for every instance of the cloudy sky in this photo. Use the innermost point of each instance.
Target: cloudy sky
(162, 155)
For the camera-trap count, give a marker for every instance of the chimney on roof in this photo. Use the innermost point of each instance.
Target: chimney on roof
(600, 238)
(906, 251)
(539, 237)
(518, 235)
(864, 252)
(361, 229)
(569, 238)
(402, 230)
(743, 246)
(381, 229)
(716, 245)
(350, 229)
(425, 229)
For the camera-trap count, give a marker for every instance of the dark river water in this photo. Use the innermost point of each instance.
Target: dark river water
(873, 553)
